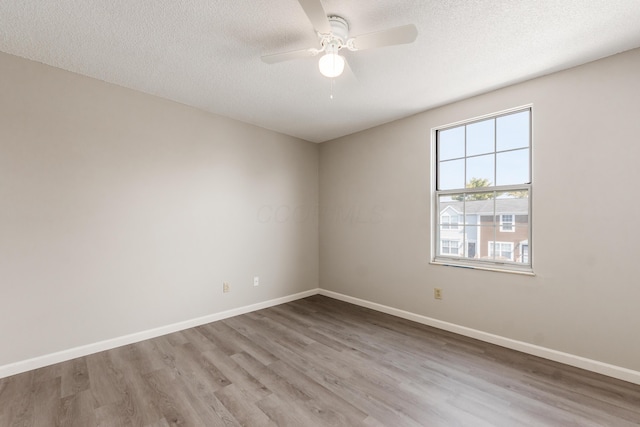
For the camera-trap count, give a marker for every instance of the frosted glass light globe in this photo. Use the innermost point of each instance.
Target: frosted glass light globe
(331, 65)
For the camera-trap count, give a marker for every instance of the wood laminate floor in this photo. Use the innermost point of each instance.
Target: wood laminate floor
(315, 362)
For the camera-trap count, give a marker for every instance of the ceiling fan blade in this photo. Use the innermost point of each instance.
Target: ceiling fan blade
(397, 35)
(316, 14)
(348, 73)
(287, 56)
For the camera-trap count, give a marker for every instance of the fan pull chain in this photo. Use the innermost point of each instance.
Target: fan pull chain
(331, 93)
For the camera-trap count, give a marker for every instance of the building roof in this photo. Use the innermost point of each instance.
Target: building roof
(485, 207)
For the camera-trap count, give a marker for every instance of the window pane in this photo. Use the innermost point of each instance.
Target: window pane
(512, 167)
(450, 247)
(456, 233)
(480, 137)
(480, 171)
(450, 217)
(449, 221)
(472, 239)
(471, 249)
(484, 236)
(515, 194)
(451, 175)
(451, 143)
(512, 208)
(512, 131)
(451, 203)
(506, 252)
(472, 219)
(522, 254)
(506, 223)
(520, 241)
(500, 251)
(479, 208)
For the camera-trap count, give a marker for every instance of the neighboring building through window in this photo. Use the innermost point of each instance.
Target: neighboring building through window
(524, 251)
(450, 247)
(506, 222)
(501, 250)
(482, 195)
(449, 221)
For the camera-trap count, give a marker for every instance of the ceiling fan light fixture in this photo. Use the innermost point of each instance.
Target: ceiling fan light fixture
(331, 65)
(333, 34)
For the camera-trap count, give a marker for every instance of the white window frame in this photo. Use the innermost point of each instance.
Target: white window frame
(511, 224)
(481, 263)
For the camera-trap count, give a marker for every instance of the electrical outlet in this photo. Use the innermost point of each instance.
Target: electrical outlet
(256, 281)
(225, 287)
(437, 293)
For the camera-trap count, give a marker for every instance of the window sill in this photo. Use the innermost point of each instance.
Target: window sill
(522, 272)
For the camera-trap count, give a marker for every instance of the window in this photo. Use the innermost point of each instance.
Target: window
(506, 222)
(502, 250)
(450, 222)
(483, 174)
(449, 247)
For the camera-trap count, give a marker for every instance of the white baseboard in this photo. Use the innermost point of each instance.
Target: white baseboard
(85, 350)
(535, 350)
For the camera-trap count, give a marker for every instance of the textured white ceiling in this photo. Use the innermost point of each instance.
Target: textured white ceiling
(206, 53)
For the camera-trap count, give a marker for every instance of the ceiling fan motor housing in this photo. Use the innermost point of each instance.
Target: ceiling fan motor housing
(339, 29)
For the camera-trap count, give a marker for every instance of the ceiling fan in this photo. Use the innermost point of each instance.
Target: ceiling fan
(333, 33)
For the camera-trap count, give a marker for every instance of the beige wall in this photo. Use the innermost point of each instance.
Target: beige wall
(586, 150)
(121, 212)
